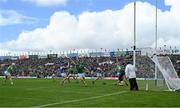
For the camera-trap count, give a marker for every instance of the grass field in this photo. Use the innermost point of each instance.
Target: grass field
(48, 93)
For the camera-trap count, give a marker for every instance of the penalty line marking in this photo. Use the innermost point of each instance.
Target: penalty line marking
(78, 100)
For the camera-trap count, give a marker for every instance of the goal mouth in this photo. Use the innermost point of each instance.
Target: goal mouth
(162, 67)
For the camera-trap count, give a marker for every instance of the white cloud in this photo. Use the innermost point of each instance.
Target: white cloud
(47, 2)
(106, 29)
(10, 17)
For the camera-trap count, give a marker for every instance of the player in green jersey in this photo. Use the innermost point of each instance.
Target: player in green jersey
(8, 73)
(71, 69)
(120, 71)
(72, 72)
(81, 69)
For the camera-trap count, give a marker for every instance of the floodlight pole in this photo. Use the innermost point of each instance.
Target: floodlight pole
(156, 43)
(134, 47)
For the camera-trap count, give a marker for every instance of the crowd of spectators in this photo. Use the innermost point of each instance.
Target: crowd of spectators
(176, 62)
(44, 67)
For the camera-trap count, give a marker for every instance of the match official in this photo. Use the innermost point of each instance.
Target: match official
(131, 75)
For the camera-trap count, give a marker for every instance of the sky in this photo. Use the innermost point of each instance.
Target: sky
(86, 24)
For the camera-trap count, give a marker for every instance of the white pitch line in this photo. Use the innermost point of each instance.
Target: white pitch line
(19, 98)
(78, 100)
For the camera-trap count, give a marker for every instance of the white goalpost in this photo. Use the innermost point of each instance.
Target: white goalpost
(162, 63)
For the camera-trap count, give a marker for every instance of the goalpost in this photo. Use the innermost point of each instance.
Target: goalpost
(166, 69)
(162, 63)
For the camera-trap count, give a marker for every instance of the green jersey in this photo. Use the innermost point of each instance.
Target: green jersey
(118, 69)
(71, 70)
(10, 69)
(80, 68)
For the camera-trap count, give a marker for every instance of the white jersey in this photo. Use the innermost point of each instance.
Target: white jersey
(130, 71)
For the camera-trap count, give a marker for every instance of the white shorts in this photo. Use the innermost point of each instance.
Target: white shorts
(63, 74)
(99, 74)
(118, 74)
(76, 75)
(53, 75)
(71, 75)
(81, 75)
(7, 73)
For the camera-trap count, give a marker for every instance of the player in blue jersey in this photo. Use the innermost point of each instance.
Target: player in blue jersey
(63, 72)
(99, 75)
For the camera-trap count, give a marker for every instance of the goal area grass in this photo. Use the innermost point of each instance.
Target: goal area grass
(49, 93)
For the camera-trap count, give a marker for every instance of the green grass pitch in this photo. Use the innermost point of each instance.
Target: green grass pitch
(49, 93)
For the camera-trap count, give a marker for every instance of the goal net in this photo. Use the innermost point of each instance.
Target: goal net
(165, 70)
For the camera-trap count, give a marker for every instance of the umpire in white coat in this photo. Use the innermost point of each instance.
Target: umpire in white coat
(130, 72)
